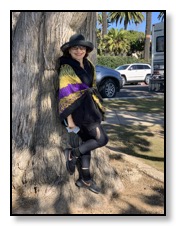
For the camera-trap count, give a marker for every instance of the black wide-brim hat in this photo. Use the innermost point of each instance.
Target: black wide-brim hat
(77, 40)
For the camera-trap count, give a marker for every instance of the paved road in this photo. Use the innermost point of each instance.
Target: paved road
(134, 118)
(132, 91)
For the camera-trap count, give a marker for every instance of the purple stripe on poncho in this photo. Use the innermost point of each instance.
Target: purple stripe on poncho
(71, 88)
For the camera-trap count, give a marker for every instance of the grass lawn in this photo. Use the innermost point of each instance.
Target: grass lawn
(150, 105)
(144, 142)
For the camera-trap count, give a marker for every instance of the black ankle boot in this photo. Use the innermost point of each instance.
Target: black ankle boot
(79, 168)
(70, 161)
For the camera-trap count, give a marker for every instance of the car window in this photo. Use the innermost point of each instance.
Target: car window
(146, 67)
(123, 67)
(133, 67)
(139, 67)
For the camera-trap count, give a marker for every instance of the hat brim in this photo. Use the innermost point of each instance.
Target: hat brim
(68, 45)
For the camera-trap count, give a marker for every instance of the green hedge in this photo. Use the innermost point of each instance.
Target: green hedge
(115, 61)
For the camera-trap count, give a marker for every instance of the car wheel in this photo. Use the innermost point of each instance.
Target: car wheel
(123, 80)
(147, 79)
(109, 89)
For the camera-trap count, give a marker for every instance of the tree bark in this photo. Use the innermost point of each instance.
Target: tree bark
(147, 36)
(104, 23)
(41, 184)
(88, 29)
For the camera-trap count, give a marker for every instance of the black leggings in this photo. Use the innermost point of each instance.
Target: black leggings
(92, 138)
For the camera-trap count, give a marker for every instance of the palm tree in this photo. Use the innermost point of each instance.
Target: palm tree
(104, 23)
(99, 18)
(147, 36)
(101, 47)
(116, 42)
(127, 17)
(161, 16)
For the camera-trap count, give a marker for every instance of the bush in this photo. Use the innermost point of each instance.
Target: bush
(115, 61)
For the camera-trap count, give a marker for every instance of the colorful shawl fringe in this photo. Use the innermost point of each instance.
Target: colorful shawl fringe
(71, 91)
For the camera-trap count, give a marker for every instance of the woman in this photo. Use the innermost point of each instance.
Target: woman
(80, 107)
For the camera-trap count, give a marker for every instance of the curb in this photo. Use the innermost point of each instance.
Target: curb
(143, 167)
(132, 118)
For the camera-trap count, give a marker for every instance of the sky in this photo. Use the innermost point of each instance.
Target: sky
(139, 27)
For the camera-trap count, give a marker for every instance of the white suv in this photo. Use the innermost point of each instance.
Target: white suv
(134, 73)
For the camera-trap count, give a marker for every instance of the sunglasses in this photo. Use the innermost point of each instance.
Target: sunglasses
(78, 47)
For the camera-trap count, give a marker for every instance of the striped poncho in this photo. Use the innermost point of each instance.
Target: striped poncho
(72, 91)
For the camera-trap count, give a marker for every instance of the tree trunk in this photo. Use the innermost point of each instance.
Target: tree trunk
(89, 31)
(104, 23)
(41, 184)
(147, 36)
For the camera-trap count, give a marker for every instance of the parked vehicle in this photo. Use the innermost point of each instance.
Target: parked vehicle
(134, 73)
(157, 70)
(109, 81)
(158, 40)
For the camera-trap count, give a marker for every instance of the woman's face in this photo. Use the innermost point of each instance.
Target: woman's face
(77, 52)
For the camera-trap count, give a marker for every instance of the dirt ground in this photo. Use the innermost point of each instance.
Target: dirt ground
(141, 193)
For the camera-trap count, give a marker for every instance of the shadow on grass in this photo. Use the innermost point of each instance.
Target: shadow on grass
(131, 140)
(133, 153)
(148, 105)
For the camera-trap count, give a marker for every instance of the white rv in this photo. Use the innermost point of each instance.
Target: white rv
(157, 63)
(156, 82)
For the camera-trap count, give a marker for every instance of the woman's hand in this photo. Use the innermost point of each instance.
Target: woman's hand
(71, 125)
(70, 122)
